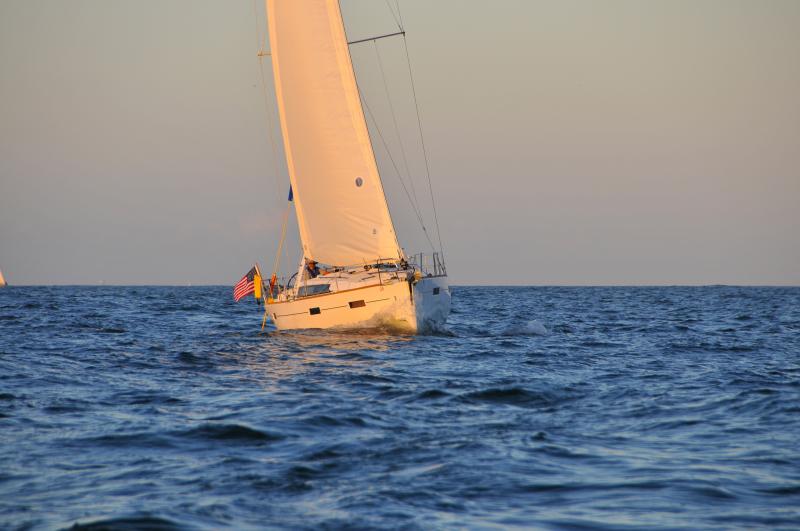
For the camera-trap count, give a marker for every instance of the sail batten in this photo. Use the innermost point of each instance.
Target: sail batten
(339, 199)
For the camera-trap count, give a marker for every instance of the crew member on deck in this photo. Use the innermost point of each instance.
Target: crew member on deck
(312, 269)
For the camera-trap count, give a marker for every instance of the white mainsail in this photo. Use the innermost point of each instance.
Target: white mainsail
(341, 207)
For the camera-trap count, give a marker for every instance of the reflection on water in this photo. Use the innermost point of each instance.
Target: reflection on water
(286, 355)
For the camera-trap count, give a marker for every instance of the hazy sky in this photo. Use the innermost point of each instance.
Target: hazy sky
(571, 142)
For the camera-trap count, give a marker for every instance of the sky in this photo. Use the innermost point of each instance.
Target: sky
(570, 142)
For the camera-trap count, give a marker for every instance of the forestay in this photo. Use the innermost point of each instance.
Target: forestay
(339, 199)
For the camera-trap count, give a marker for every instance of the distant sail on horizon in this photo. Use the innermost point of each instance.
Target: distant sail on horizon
(2, 280)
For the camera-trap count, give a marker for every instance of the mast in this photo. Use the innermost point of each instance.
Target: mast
(339, 199)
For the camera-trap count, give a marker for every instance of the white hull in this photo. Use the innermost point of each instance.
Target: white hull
(397, 305)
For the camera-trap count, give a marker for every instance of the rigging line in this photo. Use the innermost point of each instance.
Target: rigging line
(276, 264)
(371, 144)
(359, 41)
(394, 120)
(369, 136)
(270, 128)
(258, 26)
(399, 25)
(424, 149)
(286, 263)
(394, 165)
(397, 172)
(399, 15)
(422, 138)
(262, 39)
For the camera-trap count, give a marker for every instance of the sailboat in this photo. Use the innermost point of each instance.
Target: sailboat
(2, 280)
(366, 279)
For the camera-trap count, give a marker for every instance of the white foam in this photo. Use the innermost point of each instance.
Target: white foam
(529, 328)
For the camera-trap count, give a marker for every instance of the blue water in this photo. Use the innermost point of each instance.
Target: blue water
(554, 408)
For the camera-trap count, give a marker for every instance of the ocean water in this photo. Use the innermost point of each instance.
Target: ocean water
(550, 408)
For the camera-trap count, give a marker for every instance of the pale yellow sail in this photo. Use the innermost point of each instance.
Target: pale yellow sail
(340, 203)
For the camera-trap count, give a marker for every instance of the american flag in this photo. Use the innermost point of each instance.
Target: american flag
(246, 286)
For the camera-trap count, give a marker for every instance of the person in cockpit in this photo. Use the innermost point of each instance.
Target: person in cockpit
(312, 269)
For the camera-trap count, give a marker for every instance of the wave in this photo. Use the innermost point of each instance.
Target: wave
(229, 432)
(130, 523)
(136, 398)
(326, 420)
(432, 394)
(515, 396)
(138, 439)
(646, 416)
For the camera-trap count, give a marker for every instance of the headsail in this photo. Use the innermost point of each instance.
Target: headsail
(341, 207)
